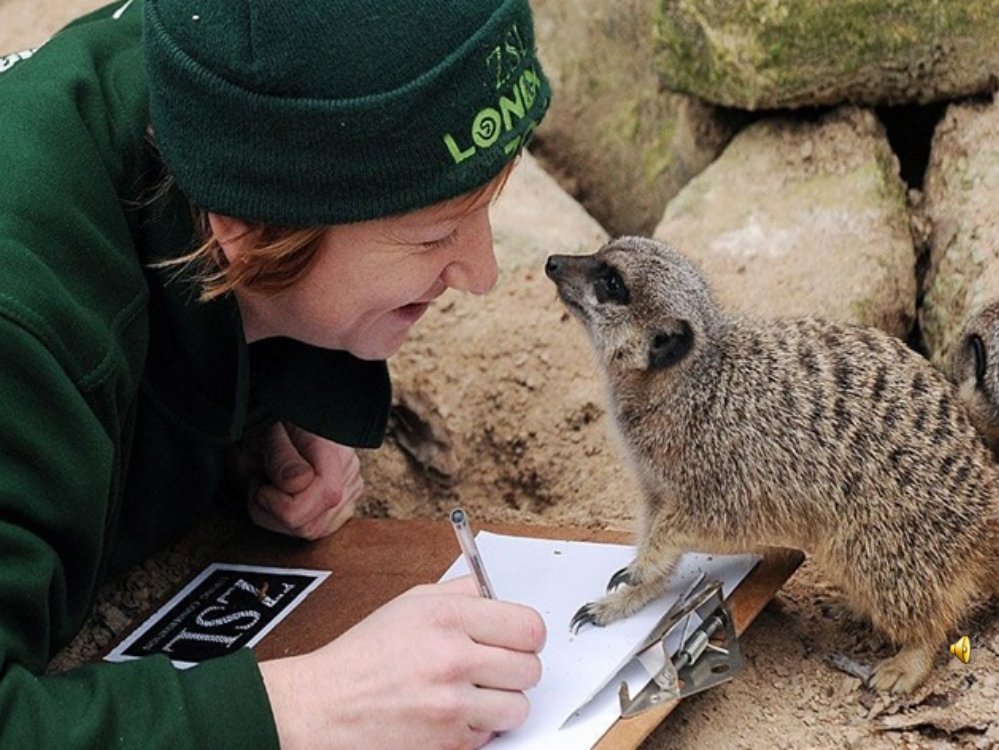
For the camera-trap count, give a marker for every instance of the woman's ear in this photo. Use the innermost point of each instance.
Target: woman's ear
(231, 234)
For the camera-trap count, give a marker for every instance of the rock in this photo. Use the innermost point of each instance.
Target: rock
(616, 141)
(961, 196)
(853, 738)
(755, 55)
(534, 218)
(800, 217)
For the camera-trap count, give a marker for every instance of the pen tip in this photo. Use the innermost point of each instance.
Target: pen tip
(457, 515)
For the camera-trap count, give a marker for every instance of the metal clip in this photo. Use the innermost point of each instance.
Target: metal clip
(708, 656)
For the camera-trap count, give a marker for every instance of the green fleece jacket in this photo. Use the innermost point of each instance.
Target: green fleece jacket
(119, 397)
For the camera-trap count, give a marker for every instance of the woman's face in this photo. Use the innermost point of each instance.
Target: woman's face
(371, 281)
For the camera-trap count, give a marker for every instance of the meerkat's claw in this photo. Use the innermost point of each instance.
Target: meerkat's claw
(584, 616)
(619, 579)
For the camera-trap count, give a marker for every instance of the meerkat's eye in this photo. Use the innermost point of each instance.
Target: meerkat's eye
(609, 286)
(978, 352)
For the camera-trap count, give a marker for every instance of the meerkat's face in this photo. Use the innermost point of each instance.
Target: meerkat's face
(640, 301)
(976, 358)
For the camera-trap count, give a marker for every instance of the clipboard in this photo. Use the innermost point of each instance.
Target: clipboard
(375, 560)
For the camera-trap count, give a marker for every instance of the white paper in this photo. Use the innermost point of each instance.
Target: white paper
(556, 578)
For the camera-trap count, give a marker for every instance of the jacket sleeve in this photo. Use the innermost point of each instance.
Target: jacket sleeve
(57, 464)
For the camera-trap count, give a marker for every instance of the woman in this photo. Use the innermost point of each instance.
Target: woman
(217, 220)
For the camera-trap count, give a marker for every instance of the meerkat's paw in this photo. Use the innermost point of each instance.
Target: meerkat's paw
(903, 672)
(623, 601)
(628, 590)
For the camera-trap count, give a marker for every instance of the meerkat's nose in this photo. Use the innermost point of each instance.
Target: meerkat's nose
(553, 265)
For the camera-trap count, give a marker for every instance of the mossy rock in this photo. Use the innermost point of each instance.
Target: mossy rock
(803, 217)
(962, 192)
(619, 144)
(766, 54)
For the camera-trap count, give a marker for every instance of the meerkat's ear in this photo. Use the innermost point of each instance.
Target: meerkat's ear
(670, 347)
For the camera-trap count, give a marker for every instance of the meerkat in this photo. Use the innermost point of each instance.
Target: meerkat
(976, 372)
(831, 438)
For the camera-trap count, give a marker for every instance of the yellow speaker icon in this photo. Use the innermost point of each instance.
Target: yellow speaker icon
(961, 648)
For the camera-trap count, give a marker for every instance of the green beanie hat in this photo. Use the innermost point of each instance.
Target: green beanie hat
(333, 111)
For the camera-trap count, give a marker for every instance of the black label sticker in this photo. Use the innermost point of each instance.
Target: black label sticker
(225, 608)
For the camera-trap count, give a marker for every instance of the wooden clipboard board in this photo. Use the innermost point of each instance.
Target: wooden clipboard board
(375, 560)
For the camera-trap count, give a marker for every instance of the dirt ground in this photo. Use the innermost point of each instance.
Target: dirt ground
(789, 695)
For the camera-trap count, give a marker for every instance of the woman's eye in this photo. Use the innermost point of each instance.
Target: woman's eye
(445, 241)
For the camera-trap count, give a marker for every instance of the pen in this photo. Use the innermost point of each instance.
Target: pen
(459, 520)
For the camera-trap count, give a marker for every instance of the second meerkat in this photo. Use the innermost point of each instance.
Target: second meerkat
(831, 438)
(976, 371)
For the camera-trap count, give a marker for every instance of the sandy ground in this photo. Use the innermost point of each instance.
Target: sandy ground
(790, 695)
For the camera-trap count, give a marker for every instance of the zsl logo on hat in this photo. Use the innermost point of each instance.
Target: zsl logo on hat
(504, 62)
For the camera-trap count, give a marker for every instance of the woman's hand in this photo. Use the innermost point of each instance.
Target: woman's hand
(438, 667)
(297, 483)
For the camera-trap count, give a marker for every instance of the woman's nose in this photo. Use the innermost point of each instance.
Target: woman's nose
(474, 268)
